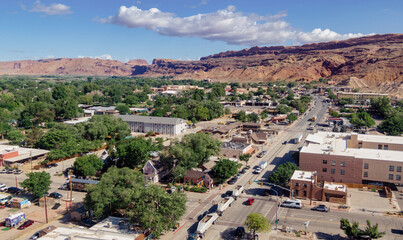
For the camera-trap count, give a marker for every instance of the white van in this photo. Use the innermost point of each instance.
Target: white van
(292, 203)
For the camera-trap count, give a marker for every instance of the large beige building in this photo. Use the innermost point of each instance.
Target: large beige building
(360, 96)
(353, 158)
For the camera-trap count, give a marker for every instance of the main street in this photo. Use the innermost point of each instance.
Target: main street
(325, 224)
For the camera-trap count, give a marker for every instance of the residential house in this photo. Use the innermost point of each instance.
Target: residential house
(198, 177)
(154, 170)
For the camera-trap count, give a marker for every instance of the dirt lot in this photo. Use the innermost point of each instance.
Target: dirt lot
(35, 213)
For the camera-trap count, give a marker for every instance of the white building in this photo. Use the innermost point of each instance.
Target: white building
(163, 125)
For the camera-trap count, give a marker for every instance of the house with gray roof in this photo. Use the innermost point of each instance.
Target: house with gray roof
(163, 125)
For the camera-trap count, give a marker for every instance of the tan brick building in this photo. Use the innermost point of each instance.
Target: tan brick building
(353, 158)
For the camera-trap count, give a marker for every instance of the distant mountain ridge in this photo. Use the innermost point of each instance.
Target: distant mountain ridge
(376, 59)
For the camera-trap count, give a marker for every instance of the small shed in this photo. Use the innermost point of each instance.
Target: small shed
(20, 203)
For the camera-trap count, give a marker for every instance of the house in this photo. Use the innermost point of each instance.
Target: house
(154, 170)
(100, 110)
(279, 118)
(198, 177)
(251, 126)
(258, 137)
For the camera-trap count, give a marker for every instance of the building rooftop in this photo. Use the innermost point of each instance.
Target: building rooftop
(78, 120)
(23, 153)
(108, 229)
(329, 143)
(235, 146)
(302, 175)
(147, 119)
(335, 186)
(359, 93)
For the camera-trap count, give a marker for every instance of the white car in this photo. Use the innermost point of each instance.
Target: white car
(257, 170)
(3, 187)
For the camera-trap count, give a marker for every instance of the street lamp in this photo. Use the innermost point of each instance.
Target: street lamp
(276, 209)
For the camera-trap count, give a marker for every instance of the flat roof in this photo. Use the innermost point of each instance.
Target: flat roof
(335, 186)
(302, 175)
(23, 153)
(358, 93)
(65, 233)
(380, 139)
(148, 119)
(330, 143)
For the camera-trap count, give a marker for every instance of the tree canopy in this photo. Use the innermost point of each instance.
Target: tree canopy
(393, 125)
(224, 169)
(256, 222)
(134, 152)
(37, 183)
(87, 165)
(281, 176)
(150, 207)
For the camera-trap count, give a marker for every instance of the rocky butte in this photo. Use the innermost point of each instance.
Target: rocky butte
(366, 62)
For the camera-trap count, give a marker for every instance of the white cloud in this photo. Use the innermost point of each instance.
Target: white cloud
(104, 57)
(226, 25)
(52, 9)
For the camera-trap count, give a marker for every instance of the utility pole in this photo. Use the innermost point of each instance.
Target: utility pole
(46, 208)
(71, 189)
(16, 183)
(30, 155)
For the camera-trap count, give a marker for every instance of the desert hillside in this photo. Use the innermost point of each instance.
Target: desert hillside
(371, 62)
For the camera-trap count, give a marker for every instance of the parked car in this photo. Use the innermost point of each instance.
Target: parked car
(55, 195)
(320, 208)
(243, 171)
(232, 181)
(250, 201)
(292, 203)
(26, 224)
(2, 206)
(35, 236)
(247, 167)
(18, 171)
(14, 190)
(53, 165)
(239, 232)
(3, 171)
(10, 171)
(3, 223)
(285, 142)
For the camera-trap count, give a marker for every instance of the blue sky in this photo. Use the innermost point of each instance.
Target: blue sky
(181, 29)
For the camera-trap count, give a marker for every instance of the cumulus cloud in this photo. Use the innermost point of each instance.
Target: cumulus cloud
(104, 57)
(228, 25)
(52, 9)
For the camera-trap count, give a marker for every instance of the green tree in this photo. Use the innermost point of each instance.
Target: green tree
(33, 136)
(131, 100)
(134, 152)
(393, 125)
(37, 183)
(382, 106)
(283, 109)
(372, 231)
(123, 108)
(224, 169)
(15, 137)
(241, 116)
(66, 108)
(281, 176)
(87, 165)
(362, 119)
(245, 157)
(227, 110)
(351, 230)
(292, 117)
(194, 150)
(201, 113)
(256, 222)
(150, 207)
(253, 117)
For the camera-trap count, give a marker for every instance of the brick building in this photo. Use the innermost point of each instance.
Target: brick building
(353, 158)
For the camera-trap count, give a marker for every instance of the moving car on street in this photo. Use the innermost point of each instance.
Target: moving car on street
(320, 208)
(250, 201)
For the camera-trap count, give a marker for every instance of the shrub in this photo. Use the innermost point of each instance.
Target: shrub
(199, 190)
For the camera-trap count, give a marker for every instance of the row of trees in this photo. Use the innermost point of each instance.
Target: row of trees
(393, 117)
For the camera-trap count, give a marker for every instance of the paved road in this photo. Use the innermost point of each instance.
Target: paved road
(327, 225)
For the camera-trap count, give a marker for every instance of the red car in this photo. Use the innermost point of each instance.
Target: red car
(3, 223)
(2, 206)
(26, 224)
(250, 201)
